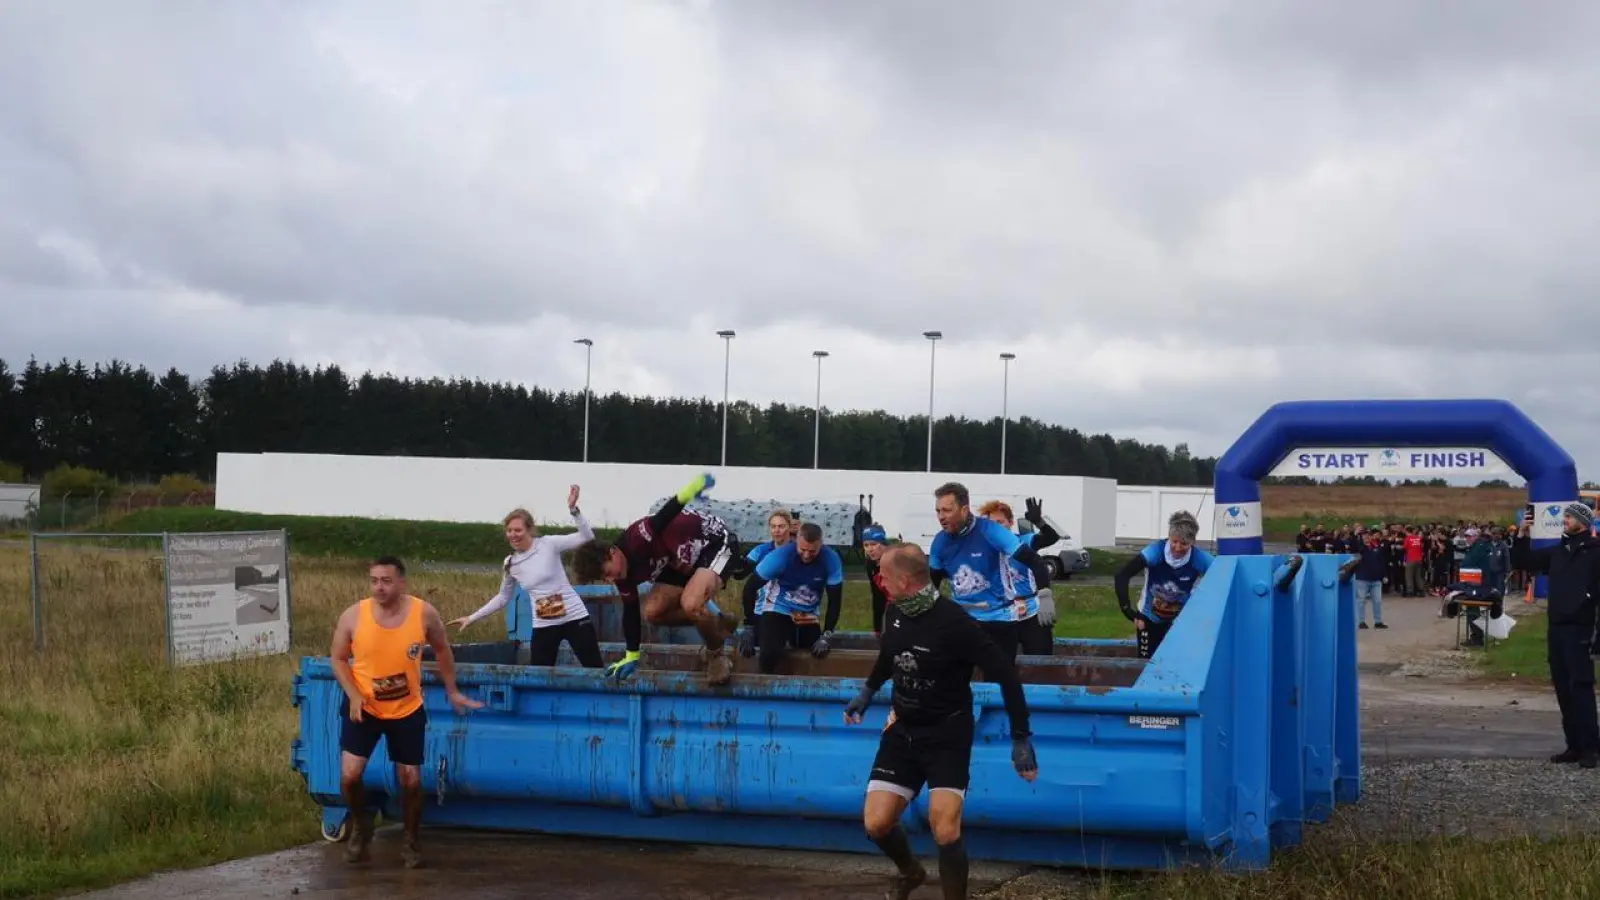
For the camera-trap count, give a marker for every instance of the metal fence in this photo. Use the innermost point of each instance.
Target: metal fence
(209, 596)
(85, 509)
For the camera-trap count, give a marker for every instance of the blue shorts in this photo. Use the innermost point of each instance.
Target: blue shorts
(403, 737)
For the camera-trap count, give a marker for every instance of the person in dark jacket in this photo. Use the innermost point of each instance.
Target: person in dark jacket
(1369, 567)
(1573, 567)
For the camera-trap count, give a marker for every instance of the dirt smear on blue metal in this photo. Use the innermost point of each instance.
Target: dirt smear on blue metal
(479, 866)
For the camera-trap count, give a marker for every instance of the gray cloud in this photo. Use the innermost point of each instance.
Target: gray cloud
(1176, 214)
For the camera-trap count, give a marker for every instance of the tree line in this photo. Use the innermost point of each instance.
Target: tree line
(136, 425)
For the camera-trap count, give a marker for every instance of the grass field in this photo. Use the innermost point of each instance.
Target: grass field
(118, 766)
(1521, 656)
(1286, 507)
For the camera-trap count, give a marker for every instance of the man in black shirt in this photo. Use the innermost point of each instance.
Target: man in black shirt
(1574, 570)
(930, 646)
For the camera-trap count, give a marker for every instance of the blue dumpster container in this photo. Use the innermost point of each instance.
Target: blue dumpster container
(1237, 733)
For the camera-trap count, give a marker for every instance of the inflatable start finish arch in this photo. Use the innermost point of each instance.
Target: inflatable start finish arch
(1493, 425)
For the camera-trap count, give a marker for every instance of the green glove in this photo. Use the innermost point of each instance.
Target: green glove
(624, 667)
(694, 489)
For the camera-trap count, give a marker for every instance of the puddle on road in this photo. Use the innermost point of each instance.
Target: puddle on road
(471, 866)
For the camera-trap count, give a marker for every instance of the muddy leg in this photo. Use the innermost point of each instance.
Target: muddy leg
(410, 779)
(713, 624)
(351, 769)
(881, 816)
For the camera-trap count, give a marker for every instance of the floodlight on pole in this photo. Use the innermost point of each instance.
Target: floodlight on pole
(816, 440)
(933, 342)
(588, 358)
(1005, 399)
(727, 351)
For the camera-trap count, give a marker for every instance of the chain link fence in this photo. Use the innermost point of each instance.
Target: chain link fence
(79, 510)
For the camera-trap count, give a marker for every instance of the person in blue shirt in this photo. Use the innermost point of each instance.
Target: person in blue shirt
(975, 554)
(1033, 603)
(786, 592)
(1171, 567)
(780, 530)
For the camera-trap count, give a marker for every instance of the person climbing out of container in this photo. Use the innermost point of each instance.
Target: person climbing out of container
(376, 657)
(1033, 604)
(874, 540)
(783, 597)
(781, 529)
(687, 556)
(1172, 569)
(975, 554)
(534, 577)
(929, 649)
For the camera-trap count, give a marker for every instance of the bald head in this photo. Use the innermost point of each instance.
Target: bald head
(905, 570)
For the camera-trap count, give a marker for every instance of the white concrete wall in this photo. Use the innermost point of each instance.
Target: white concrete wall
(614, 494)
(14, 500)
(1142, 511)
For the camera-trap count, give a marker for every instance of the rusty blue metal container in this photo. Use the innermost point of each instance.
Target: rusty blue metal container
(1242, 729)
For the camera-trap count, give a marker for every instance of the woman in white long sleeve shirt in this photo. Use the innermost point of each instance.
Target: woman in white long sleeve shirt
(534, 574)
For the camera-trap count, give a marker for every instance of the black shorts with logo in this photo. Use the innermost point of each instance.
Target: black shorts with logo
(403, 738)
(723, 555)
(936, 756)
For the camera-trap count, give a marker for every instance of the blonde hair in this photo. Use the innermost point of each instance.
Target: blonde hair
(783, 512)
(519, 513)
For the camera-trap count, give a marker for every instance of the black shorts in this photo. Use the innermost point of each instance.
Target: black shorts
(723, 555)
(403, 737)
(1150, 637)
(938, 757)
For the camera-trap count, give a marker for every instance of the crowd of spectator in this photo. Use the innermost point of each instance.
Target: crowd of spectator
(1421, 560)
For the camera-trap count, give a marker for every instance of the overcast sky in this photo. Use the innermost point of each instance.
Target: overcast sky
(1174, 213)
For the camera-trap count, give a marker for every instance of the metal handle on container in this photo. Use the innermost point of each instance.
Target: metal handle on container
(438, 781)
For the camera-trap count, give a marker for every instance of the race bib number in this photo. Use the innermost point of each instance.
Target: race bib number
(1164, 608)
(390, 687)
(1019, 609)
(551, 607)
(801, 618)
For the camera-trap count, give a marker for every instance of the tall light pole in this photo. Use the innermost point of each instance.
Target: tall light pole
(933, 343)
(1005, 399)
(816, 440)
(727, 351)
(588, 357)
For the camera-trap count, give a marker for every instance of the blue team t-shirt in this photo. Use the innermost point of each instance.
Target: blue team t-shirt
(977, 562)
(795, 587)
(1167, 588)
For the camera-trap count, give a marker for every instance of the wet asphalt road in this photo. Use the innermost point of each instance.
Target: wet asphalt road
(494, 867)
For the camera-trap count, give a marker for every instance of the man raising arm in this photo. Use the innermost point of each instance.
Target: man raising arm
(376, 656)
(975, 553)
(930, 648)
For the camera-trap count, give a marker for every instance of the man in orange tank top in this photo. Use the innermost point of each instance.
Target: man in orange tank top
(377, 658)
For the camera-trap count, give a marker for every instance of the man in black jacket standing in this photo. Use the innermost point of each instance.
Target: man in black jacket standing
(929, 648)
(1573, 567)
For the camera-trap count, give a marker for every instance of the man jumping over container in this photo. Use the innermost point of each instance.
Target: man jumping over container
(687, 556)
(930, 648)
(377, 659)
(1173, 566)
(784, 596)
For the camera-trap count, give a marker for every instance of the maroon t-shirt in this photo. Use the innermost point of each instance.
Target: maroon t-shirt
(678, 546)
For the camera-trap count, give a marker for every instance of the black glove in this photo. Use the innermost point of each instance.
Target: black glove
(1035, 513)
(820, 648)
(1022, 758)
(747, 642)
(854, 709)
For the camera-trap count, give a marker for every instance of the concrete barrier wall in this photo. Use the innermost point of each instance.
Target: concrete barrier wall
(484, 490)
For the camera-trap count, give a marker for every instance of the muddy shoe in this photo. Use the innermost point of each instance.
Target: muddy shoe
(358, 846)
(411, 855)
(901, 885)
(719, 668)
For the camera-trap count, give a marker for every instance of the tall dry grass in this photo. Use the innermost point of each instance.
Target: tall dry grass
(116, 764)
